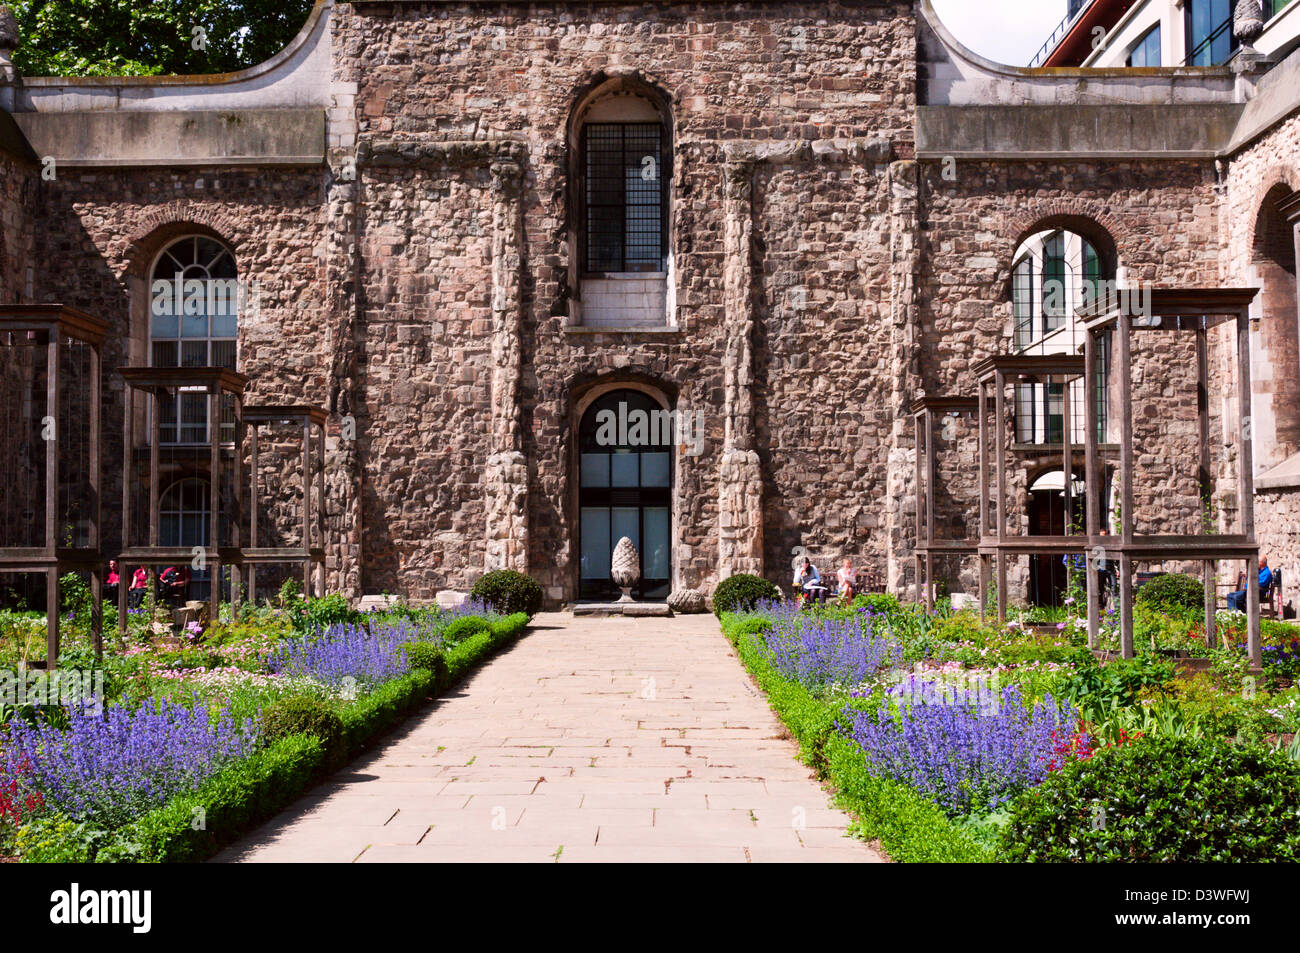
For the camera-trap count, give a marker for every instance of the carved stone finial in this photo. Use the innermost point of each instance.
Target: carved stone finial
(625, 568)
(1248, 21)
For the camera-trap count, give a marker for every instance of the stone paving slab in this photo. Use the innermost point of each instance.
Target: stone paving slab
(592, 740)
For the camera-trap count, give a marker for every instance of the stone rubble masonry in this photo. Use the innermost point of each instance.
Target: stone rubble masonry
(419, 286)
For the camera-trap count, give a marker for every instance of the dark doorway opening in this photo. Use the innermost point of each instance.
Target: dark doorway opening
(625, 478)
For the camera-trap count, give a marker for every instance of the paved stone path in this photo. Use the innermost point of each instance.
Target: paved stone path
(589, 740)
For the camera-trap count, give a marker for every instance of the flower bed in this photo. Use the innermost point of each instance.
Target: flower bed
(936, 731)
(170, 760)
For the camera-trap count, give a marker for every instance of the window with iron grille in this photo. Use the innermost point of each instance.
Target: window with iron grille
(625, 197)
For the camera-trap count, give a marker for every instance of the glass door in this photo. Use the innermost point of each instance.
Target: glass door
(625, 490)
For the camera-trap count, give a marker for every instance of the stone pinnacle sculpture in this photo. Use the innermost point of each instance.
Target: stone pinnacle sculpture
(625, 568)
(1248, 22)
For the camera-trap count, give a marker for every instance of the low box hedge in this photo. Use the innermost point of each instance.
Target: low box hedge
(194, 826)
(911, 828)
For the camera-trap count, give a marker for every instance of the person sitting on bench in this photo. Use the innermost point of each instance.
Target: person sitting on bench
(1237, 600)
(176, 584)
(848, 579)
(809, 580)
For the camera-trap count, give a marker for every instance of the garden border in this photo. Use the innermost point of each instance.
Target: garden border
(910, 828)
(253, 790)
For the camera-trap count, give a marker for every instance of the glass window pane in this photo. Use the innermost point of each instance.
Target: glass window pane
(624, 470)
(223, 354)
(595, 469)
(655, 557)
(225, 325)
(165, 326)
(164, 354)
(596, 546)
(194, 353)
(625, 521)
(655, 469)
(194, 326)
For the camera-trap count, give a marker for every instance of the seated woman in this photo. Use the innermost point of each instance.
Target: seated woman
(848, 579)
(809, 580)
(139, 587)
(112, 581)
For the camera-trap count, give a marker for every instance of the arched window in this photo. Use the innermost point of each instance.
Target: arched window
(193, 322)
(623, 176)
(1056, 272)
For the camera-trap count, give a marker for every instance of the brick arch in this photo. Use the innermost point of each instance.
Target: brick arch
(1110, 235)
(160, 226)
(1277, 182)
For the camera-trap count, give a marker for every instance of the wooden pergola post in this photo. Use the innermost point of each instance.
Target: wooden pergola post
(1208, 570)
(1126, 485)
(986, 570)
(1093, 485)
(1246, 481)
(1000, 440)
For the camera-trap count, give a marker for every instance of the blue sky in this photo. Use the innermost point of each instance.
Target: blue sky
(1008, 31)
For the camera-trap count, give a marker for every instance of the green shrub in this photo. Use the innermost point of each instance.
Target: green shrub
(458, 630)
(885, 602)
(309, 615)
(1175, 592)
(304, 715)
(195, 826)
(378, 711)
(751, 626)
(741, 593)
(425, 655)
(509, 592)
(1098, 690)
(1159, 800)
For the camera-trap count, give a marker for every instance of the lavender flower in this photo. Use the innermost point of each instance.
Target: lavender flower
(345, 651)
(959, 750)
(819, 653)
(116, 766)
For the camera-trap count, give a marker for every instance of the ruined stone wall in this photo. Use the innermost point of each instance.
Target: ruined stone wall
(785, 73)
(1258, 175)
(102, 230)
(17, 237)
(424, 375)
(1162, 218)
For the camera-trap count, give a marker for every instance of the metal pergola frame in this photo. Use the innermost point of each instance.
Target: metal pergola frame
(996, 544)
(924, 414)
(62, 324)
(1182, 310)
(311, 421)
(154, 382)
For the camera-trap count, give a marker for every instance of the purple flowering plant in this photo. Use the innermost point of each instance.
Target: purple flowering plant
(967, 751)
(113, 767)
(821, 652)
(346, 654)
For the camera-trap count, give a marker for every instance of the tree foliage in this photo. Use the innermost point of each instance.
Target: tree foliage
(151, 37)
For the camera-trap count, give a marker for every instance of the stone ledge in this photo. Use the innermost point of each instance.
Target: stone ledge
(1284, 476)
(631, 610)
(581, 331)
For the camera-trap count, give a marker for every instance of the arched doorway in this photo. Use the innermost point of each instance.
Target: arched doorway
(1048, 580)
(625, 479)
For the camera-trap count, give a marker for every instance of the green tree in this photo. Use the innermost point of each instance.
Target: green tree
(151, 37)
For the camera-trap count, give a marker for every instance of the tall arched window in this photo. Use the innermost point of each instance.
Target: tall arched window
(193, 322)
(622, 136)
(1056, 272)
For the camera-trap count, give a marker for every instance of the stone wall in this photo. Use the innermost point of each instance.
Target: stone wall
(107, 228)
(476, 73)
